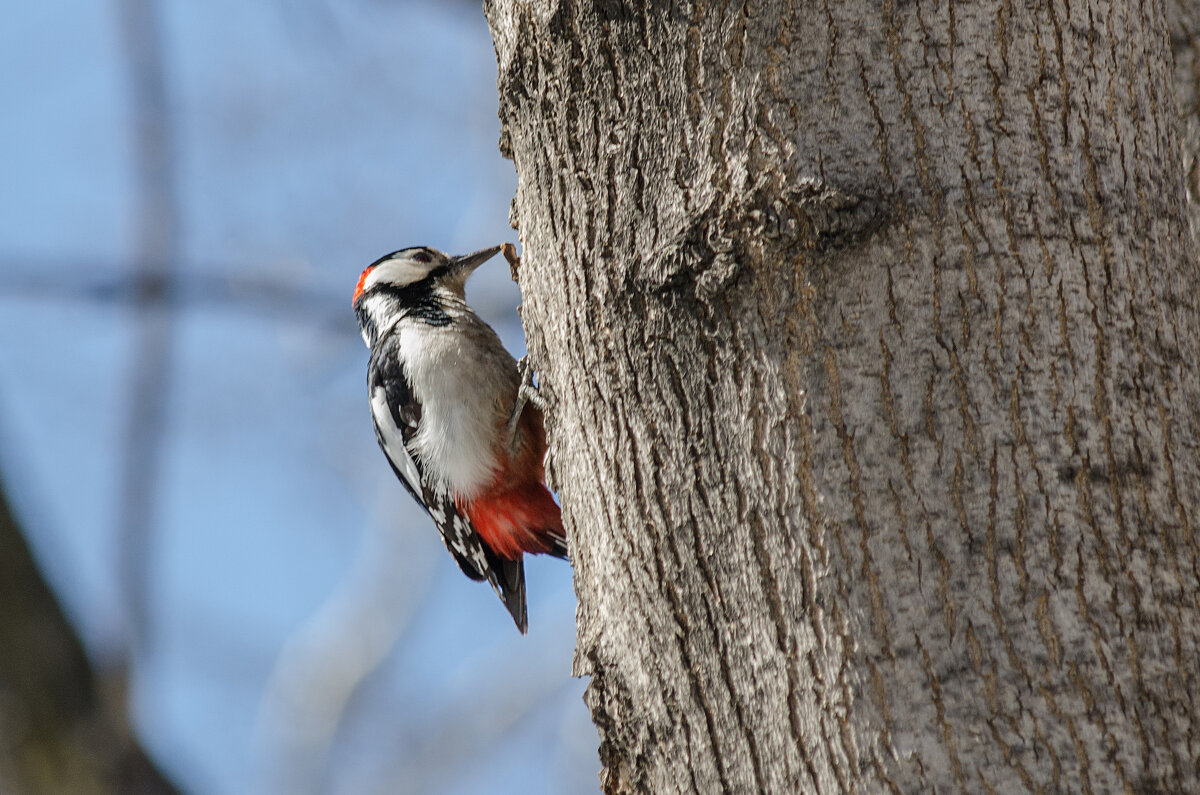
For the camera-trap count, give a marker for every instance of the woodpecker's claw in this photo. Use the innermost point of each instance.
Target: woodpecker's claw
(526, 393)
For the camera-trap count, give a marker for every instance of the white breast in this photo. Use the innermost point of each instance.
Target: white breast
(466, 382)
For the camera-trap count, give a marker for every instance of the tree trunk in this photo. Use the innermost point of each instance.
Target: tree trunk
(871, 345)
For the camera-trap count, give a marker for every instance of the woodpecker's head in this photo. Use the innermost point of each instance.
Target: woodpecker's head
(412, 279)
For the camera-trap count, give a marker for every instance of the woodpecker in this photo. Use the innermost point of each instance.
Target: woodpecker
(450, 411)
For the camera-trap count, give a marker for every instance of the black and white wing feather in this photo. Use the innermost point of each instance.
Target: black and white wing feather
(396, 413)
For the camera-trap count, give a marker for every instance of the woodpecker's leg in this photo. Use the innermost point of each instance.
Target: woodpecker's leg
(526, 393)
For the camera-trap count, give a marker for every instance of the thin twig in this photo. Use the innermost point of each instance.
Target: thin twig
(155, 219)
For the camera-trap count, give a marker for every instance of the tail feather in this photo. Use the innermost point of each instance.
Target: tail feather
(508, 578)
(510, 523)
(559, 541)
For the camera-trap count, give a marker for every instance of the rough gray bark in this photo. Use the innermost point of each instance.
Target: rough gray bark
(871, 344)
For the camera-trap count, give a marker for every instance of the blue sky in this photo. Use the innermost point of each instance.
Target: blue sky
(307, 630)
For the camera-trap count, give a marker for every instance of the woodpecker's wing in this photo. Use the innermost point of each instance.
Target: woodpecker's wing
(396, 413)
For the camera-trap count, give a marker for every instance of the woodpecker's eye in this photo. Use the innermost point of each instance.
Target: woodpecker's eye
(421, 256)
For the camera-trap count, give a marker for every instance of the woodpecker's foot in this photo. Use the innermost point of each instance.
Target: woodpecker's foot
(527, 390)
(526, 393)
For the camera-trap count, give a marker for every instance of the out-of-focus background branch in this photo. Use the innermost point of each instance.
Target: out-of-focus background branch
(63, 728)
(246, 592)
(154, 219)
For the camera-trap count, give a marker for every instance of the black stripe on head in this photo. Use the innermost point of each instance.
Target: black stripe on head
(426, 250)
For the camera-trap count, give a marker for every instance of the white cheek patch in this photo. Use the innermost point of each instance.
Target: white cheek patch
(400, 272)
(393, 441)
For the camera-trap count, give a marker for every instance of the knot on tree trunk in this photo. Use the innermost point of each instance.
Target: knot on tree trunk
(706, 257)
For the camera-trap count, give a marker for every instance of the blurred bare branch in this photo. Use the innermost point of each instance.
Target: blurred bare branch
(485, 712)
(326, 662)
(58, 733)
(155, 215)
(189, 287)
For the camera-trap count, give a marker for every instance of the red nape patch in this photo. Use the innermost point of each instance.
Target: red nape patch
(358, 288)
(522, 519)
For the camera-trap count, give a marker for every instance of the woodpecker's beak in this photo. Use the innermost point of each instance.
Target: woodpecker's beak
(464, 265)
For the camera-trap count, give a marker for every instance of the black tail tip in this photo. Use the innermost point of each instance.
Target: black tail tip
(522, 621)
(508, 578)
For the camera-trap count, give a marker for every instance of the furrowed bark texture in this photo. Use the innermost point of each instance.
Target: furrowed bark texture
(870, 337)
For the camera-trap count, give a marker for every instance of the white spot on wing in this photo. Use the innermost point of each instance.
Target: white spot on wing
(463, 529)
(393, 441)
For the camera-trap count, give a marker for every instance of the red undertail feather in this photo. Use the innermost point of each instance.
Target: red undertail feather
(524, 518)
